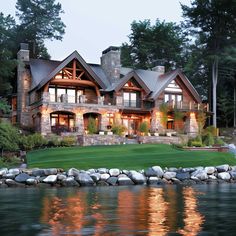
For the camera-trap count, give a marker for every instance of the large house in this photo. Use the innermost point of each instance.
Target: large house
(60, 96)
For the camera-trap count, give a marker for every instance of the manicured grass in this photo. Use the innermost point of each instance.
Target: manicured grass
(125, 157)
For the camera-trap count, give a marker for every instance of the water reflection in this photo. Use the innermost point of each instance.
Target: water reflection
(124, 211)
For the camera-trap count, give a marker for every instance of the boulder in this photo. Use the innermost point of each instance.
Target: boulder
(222, 168)
(200, 174)
(137, 177)
(73, 172)
(91, 171)
(96, 177)
(176, 181)
(112, 180)
(233, 168)
(154, 171)
(61, 177)
(104, 176)
(102, 170)
(126, 172)
(21, 178)
(190, 170)
(9, 176)
(50, 171)
(224, 176)
(172, 169)
(31, 181)
(13, 183)
(182, 175)
(114, 172)
(38, 172)
(14, 171)
(125, 180)
(84, 179)
(102, 183)
(153, 180)
(212, 177)
(169, 175)
(233, 174)
(3, 171)
(51, 179)
(69, 182)
(210, 170)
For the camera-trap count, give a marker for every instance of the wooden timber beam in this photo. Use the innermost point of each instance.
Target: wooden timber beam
(74, 70)
(81, 75)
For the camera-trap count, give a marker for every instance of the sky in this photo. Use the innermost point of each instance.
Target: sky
(94, 25)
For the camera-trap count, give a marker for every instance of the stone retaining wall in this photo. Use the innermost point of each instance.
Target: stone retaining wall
(96, 139)
(113, 177)
(163, 139)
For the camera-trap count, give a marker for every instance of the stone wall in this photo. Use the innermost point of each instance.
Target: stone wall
(154, 175)
(163, 139)
(97, 139)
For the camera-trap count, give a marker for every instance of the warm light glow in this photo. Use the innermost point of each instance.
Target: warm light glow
(158, 114)
(192, 115)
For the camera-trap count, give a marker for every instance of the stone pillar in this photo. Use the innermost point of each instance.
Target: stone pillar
(79, 123)
(104, 122)
(45, 123)
(191, 126)
(157, 124)
(23, 86)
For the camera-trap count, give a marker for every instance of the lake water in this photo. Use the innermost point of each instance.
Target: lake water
(136, 210)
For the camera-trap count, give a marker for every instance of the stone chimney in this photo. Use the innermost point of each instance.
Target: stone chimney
(110, 62)
(23, 85)
(159, 67)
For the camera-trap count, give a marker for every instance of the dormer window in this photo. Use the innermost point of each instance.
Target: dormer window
(173, 87)
(130, 99)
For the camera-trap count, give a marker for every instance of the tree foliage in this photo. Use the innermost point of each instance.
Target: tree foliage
(150, 44)
(39, 20)
(213, 21)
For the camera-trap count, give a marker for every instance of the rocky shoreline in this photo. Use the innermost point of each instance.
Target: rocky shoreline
(155, 175)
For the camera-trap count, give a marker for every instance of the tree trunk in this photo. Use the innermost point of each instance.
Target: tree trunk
(214, 86)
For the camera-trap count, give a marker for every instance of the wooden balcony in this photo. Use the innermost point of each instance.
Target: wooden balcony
(186, 106)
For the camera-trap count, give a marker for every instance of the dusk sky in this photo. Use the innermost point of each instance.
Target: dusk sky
(92, 26)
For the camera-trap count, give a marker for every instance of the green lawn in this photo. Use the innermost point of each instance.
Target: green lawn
(125, 157)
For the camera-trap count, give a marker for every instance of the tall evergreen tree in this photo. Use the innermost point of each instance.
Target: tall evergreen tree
(7, 63)
(151, 43)
(39, 20)
(214, 22)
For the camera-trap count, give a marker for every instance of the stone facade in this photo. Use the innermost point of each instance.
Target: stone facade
(92, 95)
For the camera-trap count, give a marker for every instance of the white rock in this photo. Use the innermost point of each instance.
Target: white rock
(125, 180)
(210, 170)
(62, 177)
(14, 171)
(31, 181)
(137, 177)
(102, 170)
(169, 175)
(104, 177)
(73, 172)
(200, 174)
(224, 176)
(3, 171)
(51, 179)
(84, 179)
(158, 171)
(95, 176)
(222, 168)
(212, 177)
(114, 172)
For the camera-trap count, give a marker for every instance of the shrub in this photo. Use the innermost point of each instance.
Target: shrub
(9, 137)
(92, 128)
(143, 128)
(32, 141)
(68, 141)
(210, 130)
(219, 141)
(208, 139)
(196, 144)
(54, 141)
(118, 129)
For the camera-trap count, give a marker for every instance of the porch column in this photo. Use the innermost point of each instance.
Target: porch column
(191, 126)
(157, 124)
(79, 123)
(45, 123)
(104, 121)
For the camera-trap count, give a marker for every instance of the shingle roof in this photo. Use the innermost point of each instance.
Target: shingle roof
(151, 81)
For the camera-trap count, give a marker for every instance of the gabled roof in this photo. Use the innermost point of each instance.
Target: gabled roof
(165, 79)
(131, 75)
(60, 66)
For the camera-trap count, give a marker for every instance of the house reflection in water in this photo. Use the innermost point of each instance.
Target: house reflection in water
(124, 211)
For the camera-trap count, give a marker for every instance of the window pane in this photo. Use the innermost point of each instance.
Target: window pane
(71, 95)
(133, 99)
(179, 98)
(52, 94)
(60, 92)
(166, 97)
